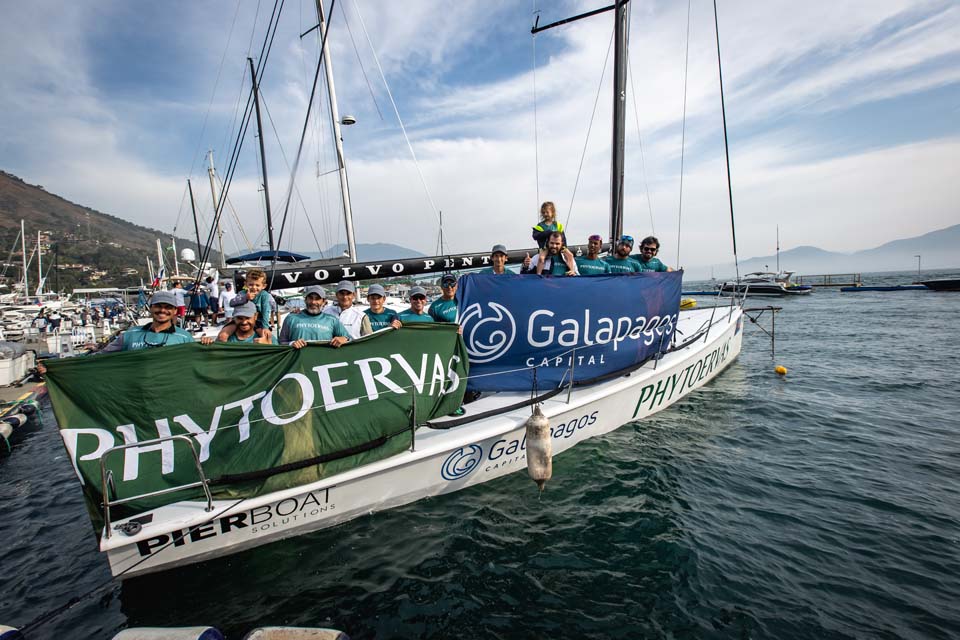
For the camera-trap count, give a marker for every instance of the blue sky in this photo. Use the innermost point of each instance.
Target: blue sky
(844, 118)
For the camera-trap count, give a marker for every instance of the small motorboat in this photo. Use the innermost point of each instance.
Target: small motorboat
(943, 284)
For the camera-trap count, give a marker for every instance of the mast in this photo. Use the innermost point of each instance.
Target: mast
(39, 267)
(622, 30)
(778, 249)
(337, 137)
(159, 264)
(211, 172)
(176, 260)
(23, 249)
(193, 208)
(263, 155)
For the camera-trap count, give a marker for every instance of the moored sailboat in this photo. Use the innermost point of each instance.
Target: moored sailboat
(194, 464)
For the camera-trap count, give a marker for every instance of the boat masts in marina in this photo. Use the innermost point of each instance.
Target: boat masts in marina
(263, 154)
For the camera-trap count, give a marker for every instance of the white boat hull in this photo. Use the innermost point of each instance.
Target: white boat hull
(441, 461)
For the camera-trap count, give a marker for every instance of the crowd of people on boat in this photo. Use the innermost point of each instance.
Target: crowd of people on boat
(251, 314)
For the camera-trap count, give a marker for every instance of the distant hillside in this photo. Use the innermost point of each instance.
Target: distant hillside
(375, 251)
(937, 250)
(79, 235)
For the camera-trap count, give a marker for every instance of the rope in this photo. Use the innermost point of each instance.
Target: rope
(643, 162)
(726, 143)
(396, 111)
(536, 132)
(363, 71)
(683, 131)
(593, 115)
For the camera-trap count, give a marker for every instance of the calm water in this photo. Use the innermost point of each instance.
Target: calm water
(825, 504)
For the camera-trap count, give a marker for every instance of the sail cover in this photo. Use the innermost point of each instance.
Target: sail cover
(261, 417)
(526, 331)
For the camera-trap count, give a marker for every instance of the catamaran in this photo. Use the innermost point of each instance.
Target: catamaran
(201, 451)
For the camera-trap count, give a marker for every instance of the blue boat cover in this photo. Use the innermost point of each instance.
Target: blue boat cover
(517, 327)
(267, 256)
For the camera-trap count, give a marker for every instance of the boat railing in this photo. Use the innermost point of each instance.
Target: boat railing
(107, 484)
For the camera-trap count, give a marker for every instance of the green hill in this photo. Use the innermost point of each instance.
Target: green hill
(89, 248)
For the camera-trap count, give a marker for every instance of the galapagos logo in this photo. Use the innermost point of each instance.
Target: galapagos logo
(461, 462)
(488, 338)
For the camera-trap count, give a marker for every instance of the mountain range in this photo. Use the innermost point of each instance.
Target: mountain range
(937, 250)
(106, 242)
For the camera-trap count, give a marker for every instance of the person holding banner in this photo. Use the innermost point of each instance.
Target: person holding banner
(352, 317)
(245, 320)
(160, 332)
(417, 311)
(312, 324)
(380, 316)
(592, 264)
(498, 261)
(555, 259)
(444, 308)
(620, 261)
(647, 259)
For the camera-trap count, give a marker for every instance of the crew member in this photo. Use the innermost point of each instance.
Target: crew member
(498, 261)
(312, 324)
(649, 247)
(444, 308)
(555, 260)
(380, 316)
(417, 311)
(592, 264)
(352, 317)
(620, 261)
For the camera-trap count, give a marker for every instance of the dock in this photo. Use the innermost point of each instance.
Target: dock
(831, 280)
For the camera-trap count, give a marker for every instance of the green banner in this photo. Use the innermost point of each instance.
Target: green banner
(260, 417)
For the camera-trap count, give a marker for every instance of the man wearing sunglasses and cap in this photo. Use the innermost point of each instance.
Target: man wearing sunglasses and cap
(647, 259)
(620, 261)
(444, 308)
(355, 320)
(592, 264)
(312, 325)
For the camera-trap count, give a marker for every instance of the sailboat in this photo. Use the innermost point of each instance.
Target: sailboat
(211, 453)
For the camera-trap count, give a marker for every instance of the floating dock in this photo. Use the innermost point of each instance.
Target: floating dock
(895, 287)
(831, 280)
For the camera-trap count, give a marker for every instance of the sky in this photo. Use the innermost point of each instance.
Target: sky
(843, 119)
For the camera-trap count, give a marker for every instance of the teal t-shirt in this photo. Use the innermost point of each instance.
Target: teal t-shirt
(653, 264)
(490, 271)
(589, 267)
(409, 317)
(144, 338)
(381, 320)
(233, 338)
(443, 310)
(303, 326)
(622, 265)
(557, 266)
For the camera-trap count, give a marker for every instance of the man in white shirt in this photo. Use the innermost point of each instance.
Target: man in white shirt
(226, 295)
(353, 318)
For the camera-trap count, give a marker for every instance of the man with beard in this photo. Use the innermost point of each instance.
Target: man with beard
(620, 261)
(553, 260)
(312, 324)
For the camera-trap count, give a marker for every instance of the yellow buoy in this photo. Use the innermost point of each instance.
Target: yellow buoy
(782, 370)
(687, 303)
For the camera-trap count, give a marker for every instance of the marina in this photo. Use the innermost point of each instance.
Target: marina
(290, 427)
(697, 520)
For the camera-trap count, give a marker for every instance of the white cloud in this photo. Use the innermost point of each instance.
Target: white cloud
(474, 138)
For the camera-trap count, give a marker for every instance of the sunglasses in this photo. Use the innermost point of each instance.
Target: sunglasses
(650, 249)
(418, 297)
(626, 240)
(594, 238)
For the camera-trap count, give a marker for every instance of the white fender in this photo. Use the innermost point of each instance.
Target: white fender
(539, 448)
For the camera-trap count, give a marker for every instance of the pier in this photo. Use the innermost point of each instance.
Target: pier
(831, 280)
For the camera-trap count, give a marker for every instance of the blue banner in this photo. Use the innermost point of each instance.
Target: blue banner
(521, 327)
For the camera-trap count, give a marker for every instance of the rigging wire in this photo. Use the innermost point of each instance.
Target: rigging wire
(593, 116)
(643, 162)
(360, 62)
(536, 132)
(303, 135)
(283, 155)
(396, 111)
(726, 143)
(683, 130)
